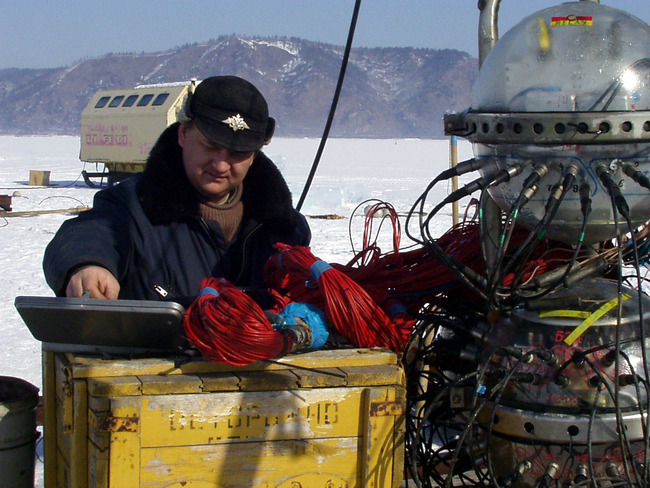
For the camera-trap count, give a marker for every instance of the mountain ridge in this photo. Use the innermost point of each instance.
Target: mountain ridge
(387, 92)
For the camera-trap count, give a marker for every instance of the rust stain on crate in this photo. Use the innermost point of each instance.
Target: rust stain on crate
(380, 409)
(117, 424)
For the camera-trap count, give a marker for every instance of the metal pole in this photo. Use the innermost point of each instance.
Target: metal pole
(488, 29)
(453, 161)
(488, 36)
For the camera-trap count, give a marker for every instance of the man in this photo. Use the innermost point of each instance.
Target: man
(209, 203)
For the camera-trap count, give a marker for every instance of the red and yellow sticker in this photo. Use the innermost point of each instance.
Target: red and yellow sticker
(572, 20)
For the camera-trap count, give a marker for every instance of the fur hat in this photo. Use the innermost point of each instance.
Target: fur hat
(231, 113)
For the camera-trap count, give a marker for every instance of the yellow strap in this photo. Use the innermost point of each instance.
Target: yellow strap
(589, 321)
(579, 314)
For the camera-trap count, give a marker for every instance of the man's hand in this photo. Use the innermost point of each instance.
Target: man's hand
(94, 279)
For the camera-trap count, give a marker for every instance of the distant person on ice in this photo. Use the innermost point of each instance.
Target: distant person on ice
(209, 203)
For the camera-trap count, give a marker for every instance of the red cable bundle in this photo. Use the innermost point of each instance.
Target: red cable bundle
(298, 274)
(399, 316)
(227, 326)
(416, 275)
(287, 278)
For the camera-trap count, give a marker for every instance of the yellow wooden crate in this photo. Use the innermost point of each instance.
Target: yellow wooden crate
(331, 419)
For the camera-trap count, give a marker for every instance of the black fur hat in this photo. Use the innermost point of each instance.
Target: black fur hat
(231, 113)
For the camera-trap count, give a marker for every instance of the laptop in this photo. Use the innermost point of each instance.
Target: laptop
(111, 327)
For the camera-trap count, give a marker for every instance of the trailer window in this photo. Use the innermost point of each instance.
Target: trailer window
(144, 101)
(116, 101)
(101, 103)
(160, 99)
(130, 100)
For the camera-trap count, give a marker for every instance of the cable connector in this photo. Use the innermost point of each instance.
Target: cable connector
(594, 267)
(530, 185)
(548, 478)
(508, 173)
(634, 173)
(536, 174)
(483, 182)
(517, 474)
(461, 168)
(613, 190)
(554, 196)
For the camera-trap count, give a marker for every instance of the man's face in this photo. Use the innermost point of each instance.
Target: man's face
(213, 170)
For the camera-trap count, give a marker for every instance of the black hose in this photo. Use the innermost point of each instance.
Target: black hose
(335, 100)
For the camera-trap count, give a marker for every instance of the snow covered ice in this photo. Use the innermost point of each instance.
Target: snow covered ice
(350, 172)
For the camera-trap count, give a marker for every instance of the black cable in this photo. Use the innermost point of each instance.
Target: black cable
(613, 88)
(553, 203)
(623, 437)
(585, 209)
(644, 354)
(637, 381)
(592, 416)
(618, 200)
(330, 118)
(528, 190)
(638, 176)
(615, 197)
(496, 393)
(469, 277)
(435, 434)
(459, 170)
(481, 183)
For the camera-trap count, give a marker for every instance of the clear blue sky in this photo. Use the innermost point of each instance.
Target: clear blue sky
(55, 33)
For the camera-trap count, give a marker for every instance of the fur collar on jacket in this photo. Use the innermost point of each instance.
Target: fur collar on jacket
(167, 195)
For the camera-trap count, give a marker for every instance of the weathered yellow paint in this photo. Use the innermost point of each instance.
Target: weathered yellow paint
(79, 436)
(162, 385)
(115, 386)
(381, 436)
(156, 422)
(92, 366)
(49, 417)
(65, 425)
(170, 420)
(124, 461)
(270, 380)
(64, 394)
(98, 464)
(219, 382)
(322, 378)
(311, 463)
(373, 375)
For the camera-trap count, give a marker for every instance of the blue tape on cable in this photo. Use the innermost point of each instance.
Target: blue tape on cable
(313, 316)
(395, 309)
(280, 258)
(208, 291)
(318, 268)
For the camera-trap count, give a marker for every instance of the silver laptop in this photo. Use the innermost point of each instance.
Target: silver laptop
(112, 327)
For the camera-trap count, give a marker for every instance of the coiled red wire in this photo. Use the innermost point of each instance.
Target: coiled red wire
(416, 277)
(227, 326)
(359, 298)
(349, 309)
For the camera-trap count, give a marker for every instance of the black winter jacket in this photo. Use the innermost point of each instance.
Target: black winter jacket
(147, 231)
